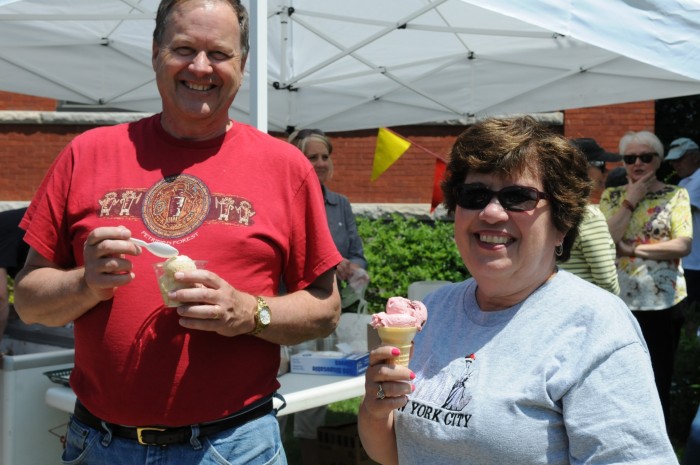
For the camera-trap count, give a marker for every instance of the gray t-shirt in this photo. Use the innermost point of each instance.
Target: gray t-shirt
(561, 378)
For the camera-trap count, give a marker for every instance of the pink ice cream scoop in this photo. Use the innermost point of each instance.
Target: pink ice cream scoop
(401, 313)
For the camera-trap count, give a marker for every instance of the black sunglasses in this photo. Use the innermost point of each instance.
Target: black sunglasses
(645, 157)
(512, 198)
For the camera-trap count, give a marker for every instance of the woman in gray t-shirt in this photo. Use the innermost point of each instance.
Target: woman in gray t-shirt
(522, 363)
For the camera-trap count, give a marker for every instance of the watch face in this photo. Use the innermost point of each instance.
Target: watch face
(265, 316)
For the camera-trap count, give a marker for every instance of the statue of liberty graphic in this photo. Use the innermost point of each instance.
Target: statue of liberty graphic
(458, 398)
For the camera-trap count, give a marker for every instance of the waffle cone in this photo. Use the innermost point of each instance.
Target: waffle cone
(400, 338)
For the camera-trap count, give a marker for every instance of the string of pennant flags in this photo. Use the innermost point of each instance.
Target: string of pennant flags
(391, 146)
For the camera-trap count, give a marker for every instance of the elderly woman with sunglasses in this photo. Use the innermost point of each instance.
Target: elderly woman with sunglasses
(522, 363)
(651, 224)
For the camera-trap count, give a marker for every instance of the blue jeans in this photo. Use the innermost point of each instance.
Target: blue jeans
(691, 456)
(257, 442)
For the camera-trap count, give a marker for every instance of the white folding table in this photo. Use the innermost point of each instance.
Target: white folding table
(300, 392)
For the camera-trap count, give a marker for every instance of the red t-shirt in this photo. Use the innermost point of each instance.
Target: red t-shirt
(249, 204)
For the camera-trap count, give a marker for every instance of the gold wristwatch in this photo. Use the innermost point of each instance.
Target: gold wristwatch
(263, 316)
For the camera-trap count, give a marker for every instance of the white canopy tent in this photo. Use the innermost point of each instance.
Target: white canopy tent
(342, 65)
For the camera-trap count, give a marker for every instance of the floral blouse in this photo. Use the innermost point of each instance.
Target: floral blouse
(659, 216)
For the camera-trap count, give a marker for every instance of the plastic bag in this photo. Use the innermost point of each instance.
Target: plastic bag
(352, 327)
(284, 361)
(354, 290)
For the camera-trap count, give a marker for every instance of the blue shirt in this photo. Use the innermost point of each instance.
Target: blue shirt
(341, 222)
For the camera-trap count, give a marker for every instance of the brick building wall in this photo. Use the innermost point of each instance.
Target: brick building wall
(409, 180)
(9, 101)
(27, 150)
(608, 123)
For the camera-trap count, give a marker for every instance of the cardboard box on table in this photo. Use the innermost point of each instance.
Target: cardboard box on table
(329, 363)
(351, 357)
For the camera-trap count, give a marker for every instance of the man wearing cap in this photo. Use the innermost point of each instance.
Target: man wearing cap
(593, 253)
(684, 158)
(597, 157)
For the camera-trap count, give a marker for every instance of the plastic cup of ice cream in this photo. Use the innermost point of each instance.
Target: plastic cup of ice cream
(165, 273)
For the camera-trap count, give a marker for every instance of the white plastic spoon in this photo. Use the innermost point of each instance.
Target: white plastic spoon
(159, 249)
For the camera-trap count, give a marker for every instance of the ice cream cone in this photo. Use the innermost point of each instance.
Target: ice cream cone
(400, 338)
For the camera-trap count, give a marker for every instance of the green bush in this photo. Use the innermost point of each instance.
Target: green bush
(402, 250)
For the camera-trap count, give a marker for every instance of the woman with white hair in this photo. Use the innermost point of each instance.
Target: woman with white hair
(650, 223)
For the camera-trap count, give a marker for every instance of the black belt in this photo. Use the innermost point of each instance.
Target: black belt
(161, 436)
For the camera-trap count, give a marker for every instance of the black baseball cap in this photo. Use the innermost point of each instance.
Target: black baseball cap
(593, 151)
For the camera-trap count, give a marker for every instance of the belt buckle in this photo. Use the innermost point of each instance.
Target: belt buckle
(139, 432)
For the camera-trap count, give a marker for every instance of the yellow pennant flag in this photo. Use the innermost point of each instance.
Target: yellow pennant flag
(390, 147)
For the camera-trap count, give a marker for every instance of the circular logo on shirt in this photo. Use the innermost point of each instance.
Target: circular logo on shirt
(176, 206)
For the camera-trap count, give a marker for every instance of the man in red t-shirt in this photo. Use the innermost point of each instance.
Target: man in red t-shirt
(181, 383)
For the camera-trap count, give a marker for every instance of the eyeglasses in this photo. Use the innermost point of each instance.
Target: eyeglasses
(597, 163)
(511, 198)
(645, 157)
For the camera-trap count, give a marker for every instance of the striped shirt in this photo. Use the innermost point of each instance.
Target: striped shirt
(593, 253)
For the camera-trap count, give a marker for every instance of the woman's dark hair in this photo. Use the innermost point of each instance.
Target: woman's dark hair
(166, 7)
(509, 147)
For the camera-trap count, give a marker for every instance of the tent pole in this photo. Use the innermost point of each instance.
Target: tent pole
(257, 64)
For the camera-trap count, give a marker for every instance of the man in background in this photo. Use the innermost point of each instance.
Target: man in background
(593, 253)
(684, 158)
